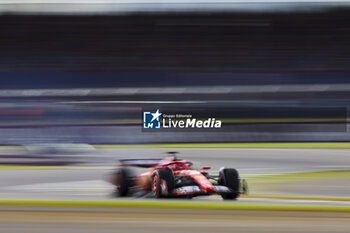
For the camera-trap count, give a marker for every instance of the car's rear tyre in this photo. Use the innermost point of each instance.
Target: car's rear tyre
(229, 177)
(163, 183)
(123, 182)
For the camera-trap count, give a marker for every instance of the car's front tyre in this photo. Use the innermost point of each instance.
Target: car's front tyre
(163, 183)
(229, 177)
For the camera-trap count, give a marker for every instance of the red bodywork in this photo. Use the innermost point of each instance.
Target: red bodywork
(179, 168)
(171, 177)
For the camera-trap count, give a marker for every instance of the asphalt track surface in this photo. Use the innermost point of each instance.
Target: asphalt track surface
(249, 161)
(86, 183)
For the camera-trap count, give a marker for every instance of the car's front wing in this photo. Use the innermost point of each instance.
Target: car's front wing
(196, 190)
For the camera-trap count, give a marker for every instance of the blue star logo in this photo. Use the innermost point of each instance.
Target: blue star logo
(151, 120)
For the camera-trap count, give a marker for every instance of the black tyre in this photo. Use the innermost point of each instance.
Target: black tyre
(229, 177)
(163, 183)
(123, 182)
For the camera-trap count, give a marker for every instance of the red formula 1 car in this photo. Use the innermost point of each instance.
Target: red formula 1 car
(172, 177)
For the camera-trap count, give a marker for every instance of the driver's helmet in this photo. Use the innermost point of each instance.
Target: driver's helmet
(176, 167)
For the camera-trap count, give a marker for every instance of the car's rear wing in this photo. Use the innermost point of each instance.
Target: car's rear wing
(139, 162)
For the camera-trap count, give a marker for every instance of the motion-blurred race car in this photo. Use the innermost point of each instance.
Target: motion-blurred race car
(173, 177)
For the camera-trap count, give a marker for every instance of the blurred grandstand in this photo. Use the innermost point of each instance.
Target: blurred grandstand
(81, 71)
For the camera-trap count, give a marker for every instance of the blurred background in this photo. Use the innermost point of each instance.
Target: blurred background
(82, 71)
